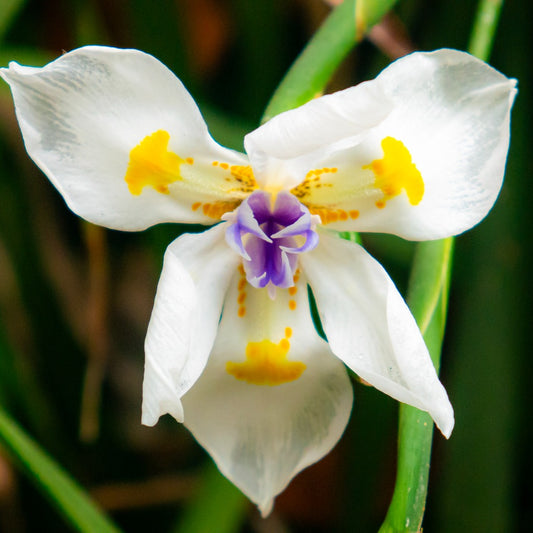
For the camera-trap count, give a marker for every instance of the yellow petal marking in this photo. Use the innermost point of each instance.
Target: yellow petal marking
(396, 172)
(266, 363)
(153, 165)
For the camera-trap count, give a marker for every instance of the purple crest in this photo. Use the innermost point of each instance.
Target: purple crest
(270, 237)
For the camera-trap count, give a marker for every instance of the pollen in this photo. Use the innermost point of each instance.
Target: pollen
(292, 305)
(313, 180)
(242, 176)
(151, 164)
(267, 364)
(396, 172)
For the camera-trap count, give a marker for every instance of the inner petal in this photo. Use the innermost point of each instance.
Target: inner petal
(286, 229)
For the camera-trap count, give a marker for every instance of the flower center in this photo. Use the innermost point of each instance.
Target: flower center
(270, 235)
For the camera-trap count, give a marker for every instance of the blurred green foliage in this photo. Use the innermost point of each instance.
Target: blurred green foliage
(231, 55)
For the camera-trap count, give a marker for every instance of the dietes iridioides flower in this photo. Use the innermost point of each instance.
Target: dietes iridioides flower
(231, 349)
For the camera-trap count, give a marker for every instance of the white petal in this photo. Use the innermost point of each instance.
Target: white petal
(82, 115)
(369, 326)
(262, 435)
(451, 112)
(291, 143)
(196, 273)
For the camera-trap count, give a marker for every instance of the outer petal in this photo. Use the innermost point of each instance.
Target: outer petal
(370, 328)
(262, 435)
(196, 273)
(82, 115)
(451, 113)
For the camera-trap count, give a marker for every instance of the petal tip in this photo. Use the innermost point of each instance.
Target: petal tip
(445, 421)
(265, 508)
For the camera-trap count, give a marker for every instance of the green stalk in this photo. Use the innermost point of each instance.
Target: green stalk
(313, 68)
(64, 493)
(427, 297)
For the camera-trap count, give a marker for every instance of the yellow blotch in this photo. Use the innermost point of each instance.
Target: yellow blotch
(266, 364)
(396, 172)
(152, 164)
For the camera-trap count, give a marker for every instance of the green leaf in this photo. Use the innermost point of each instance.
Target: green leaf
(65, 494)
(313, 68)
(8, 11)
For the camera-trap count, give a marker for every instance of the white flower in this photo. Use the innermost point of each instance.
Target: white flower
(231, 348)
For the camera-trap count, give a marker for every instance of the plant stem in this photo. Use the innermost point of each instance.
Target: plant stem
(407, 507)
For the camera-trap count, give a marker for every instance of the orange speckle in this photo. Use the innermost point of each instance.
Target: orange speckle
(242, 284)
(196, 205)
(293, 290)
(288, 333)
(332, 216)
(343, 215)
(241, 298)
(354, 214)
(284, 344)
(380, 204)
(189, 160)
(292, 305)
(215, 163)
(242, 311)
(225, 166)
